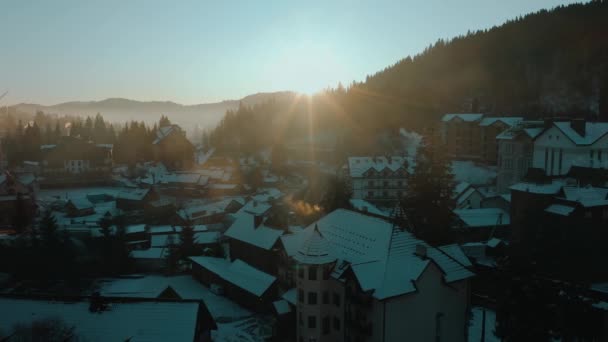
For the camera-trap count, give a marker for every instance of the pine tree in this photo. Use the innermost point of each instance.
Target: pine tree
(187, 246)
(21, 219)
(337, 195)
(172, 255)
(428, 200)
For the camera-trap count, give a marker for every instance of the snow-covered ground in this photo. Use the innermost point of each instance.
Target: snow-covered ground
(476, 325)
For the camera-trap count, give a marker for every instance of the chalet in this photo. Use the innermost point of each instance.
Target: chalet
(363, 278)
(213, 212)
(136, 199)
(461, 135)
(76, 207)
(378, 179)
(565, 144)
(105, 320)
(183, 183)
(467, 196)
(172, 148)
(253, 242)
(76, 161)
(237, 280)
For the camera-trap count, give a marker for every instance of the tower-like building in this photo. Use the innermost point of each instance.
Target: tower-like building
(320, 298)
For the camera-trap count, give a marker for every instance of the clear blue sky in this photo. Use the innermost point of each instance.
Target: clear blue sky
(197, 51)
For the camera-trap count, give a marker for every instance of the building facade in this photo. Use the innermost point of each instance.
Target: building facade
(565, 144)
(378, 179)
(360, 278)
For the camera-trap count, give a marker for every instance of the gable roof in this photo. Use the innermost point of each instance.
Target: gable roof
(133, 195)
(593, 132)
(483, 217)
(166, 131)
(238, 273)
(588, 196)
(507, 120)
(380, 254)
(243, 229)
(357, 166)
(463, 117)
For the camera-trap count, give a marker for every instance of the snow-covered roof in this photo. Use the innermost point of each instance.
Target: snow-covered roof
(560, 209)
(281, 306)
(81, 203)
(291, 296)
(367, 207)
(465, 195)
(150, 253)
(203, 238)
(483, 217)
(267, 194)
(255, 208)
(593, 132)
(380, 254)
(243, 229)
(507, 120)
(463, 117)
(133, 321)
(358, 166)
(587, 196)
(552, 188)
(530, 129)
(133, 195)
(184, 178)
(135, 228)
(460, 187)
(238, 273)
(314, 250)
(166, 131)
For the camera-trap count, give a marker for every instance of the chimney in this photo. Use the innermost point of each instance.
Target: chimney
(578, 125)
(420, 250)
(257, 220)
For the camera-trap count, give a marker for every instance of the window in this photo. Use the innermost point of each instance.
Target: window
(588, 214)
(399, 183)
(300, 319)
(385, 184)
(336, 323)
(312, 298)
(312, 273)
(546, 158)
(301, 295)
(326, 272)
(325, 325)
(312, 322)
(301, 272)
(559, 163)
(370, 194)
(336, 299)
(325, 297)
(370, 184)
(385, 194)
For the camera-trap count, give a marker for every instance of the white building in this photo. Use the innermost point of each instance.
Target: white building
(575, 143)
(378, 178)
(360, 278)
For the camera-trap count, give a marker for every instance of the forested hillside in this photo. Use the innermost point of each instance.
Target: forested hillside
(549, 63)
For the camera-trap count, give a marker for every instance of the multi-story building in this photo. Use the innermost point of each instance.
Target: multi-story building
(564, 144)
(515, 151)
(378, 179)
(473, 136)
(491, 127)
(74, 156)
(361, 278)
(461, 134)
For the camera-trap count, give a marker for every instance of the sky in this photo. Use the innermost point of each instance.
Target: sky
(198, 51)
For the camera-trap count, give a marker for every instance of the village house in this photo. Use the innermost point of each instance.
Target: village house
(482, 224)
(564, 144)
(254, 242)
(76, 161)
(378, 179)
(76, 207)
(16, 190)
(173, 149)
(135, 199)
(237, 280)
(361, 278)
(467, 196)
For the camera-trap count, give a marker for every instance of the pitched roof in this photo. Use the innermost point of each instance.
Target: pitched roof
(593, 132)
(133, 195)
(552, 188)
(357, 166)
(587, 196)
(507, 120)
(560, 209)
(380, 254)
(166, 131)
(243, 229)
(238, 273)
(314, 250)
(463, 117)
(134, 321)
(483, 217)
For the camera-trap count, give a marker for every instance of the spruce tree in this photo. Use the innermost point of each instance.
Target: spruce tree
(428, 201)
(187, 246)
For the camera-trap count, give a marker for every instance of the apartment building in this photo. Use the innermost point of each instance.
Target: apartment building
(378, 179)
